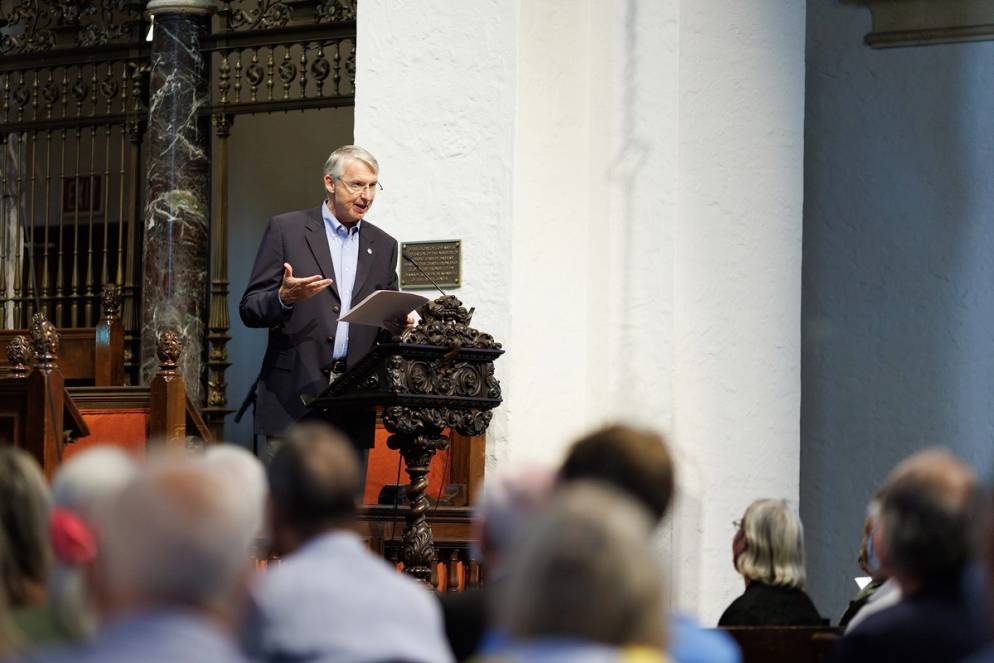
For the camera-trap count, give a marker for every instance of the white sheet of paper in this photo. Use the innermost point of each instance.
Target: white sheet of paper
(383, 305)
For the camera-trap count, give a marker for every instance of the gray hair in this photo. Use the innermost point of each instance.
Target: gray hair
(248, 476)
(338, 159)
(929, 511)
(173, 537)
(774, 544)
(85, 485)
(24, 505)
(589, 547)
(506, 502)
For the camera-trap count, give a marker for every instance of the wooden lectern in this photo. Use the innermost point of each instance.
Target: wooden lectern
(438, 375)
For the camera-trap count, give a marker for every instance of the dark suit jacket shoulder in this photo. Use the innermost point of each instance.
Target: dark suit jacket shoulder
(932, 627)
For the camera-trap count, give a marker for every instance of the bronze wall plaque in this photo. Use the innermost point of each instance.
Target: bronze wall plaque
(441, 260)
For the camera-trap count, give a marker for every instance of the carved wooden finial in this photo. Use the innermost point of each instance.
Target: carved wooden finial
(110, 302)
(445, 322)
(168, 350)
(19, 355)
(45, 340)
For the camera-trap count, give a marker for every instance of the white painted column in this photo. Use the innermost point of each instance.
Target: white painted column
(737, 279)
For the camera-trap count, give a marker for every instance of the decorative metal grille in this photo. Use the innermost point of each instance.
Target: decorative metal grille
(71, 139)
(248, 15)
(36, 25)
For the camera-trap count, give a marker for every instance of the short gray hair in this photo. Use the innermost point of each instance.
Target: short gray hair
(590, 545)
(774, 544)
(338, 159)
(173, 537)
(929, 511)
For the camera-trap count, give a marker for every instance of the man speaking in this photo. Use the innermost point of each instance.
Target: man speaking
(312, 266)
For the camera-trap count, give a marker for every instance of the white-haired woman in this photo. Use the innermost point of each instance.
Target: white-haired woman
(768, 551)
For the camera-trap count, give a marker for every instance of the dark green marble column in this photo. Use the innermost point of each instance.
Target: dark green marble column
(176, 252)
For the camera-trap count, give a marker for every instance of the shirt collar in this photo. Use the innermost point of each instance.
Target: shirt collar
(335, 224)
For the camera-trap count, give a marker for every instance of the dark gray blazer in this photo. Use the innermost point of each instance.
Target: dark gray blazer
(298, 354)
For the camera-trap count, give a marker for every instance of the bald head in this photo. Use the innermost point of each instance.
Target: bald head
(174, 537)
(929, 507)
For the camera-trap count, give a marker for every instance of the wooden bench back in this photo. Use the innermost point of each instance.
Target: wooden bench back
(784, 644)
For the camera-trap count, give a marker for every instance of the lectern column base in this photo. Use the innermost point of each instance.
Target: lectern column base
(417, 441)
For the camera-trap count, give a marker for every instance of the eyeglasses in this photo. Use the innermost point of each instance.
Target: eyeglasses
(356, 187)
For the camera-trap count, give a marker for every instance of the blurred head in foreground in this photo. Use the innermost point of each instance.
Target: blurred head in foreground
(633, 460)
(175, 538)
(930, 514)
(84, 486)
(507, 501)
(583, 570)
(313, 481)
(24, 505)
(769, 545)
(240, 466)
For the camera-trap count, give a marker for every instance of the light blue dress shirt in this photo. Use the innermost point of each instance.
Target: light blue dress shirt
(344, 246)
(333, 600)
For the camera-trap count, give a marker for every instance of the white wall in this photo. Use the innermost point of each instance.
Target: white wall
(737, 270)
(898, 273)
(626, 179)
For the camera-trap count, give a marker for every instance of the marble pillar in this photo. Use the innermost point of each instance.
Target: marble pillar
(176, 243)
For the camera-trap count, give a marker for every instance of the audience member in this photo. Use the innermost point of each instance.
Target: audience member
(638, 463)
(248, 474)
(24, 506)
(330, 599)
(172, 569)
(508, 499)
(84, 486)
(8, 639)
(768, 551)
(883, 591)
(583, 585)
(928, 513)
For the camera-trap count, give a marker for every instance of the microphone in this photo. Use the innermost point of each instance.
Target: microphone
(423, 272)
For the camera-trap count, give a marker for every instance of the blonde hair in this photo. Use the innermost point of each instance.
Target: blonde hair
(774, 544)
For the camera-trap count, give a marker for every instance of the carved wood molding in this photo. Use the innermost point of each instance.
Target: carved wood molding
(898, 23)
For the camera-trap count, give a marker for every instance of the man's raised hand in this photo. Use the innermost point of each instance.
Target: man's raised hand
(294, 289)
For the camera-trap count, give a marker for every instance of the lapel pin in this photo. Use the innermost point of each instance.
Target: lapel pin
(369, 250)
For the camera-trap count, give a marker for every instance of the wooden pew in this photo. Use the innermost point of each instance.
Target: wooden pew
(134, 417)
(87, 355)
(36, 413)
(36, 408)
(784, 644)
